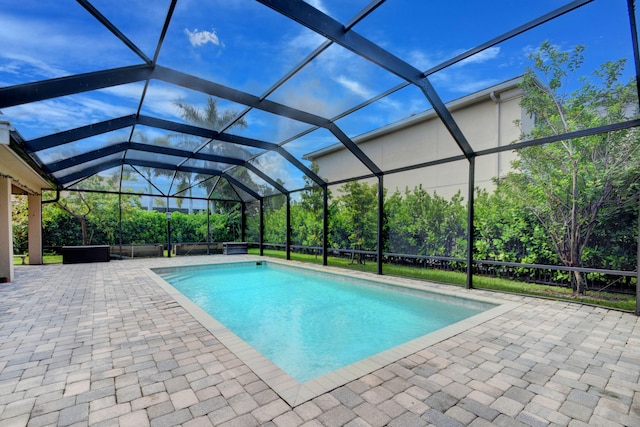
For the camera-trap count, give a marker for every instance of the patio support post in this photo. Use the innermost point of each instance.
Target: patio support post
(325, 224)
(631, 6)
(243, 217)
(638, 264)
(208, 225)
(380, 221)
(168, 214)
(120, 222)
(288, 226)
(470, 214)
(168, 234)
(261, 240)
(35, 229)
(6, 231)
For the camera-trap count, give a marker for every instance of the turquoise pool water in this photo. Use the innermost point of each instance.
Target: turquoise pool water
(311, 323)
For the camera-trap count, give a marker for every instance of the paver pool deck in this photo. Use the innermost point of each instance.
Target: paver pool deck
(103, 345)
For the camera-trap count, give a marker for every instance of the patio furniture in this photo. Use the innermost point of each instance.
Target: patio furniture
(83, 254)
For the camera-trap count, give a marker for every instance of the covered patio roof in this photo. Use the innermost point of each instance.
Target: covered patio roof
(25, 178)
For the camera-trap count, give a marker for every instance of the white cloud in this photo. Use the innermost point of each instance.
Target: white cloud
(35, 47)
(421, 60)
(456, 78)
(482, 57)
(28, 65)
(424, 61)
(40, 118)
(199, 38)
(461, 83)
(472, 86)
(355, 87)
(131, 91)
(161, 99)
(305, 41)
(276, 167)
(20, 63)
(97, 109)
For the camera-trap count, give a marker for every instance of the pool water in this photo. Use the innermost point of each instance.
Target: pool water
(311, 323)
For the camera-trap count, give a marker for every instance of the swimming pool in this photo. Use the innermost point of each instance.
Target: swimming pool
(310, 324)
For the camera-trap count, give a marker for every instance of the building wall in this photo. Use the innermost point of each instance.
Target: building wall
(17, 177)
(485, 118)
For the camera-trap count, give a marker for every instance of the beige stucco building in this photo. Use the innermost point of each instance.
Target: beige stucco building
(486, 118)
(17, 177)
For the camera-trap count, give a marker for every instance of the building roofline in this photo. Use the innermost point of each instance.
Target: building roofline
(491, 92)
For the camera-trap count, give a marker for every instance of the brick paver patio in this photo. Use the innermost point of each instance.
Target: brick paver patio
(104, 345)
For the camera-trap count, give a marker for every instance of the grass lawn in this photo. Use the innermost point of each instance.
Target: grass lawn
(46, 259)
(618, 301)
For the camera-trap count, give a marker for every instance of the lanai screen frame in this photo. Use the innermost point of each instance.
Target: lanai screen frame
(334, 32)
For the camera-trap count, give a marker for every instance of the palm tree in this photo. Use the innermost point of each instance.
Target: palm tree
(210, 117)
(147, 172)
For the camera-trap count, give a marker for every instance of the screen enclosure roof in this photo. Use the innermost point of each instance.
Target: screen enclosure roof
(219, 99)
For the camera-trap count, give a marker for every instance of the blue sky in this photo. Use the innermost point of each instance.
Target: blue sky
(244, 45)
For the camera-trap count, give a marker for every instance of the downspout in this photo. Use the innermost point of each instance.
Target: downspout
(496, 99)
(57, 198)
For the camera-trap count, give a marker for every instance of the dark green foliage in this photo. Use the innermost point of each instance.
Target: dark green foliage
(59, 228)
(424, 224)
(574, 185)
(20, 224)
(139, 226)
(356, 217)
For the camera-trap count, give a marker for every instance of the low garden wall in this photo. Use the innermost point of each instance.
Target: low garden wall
(197, 248)
(137, 251)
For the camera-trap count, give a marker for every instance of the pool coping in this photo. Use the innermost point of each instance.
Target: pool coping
(295, 393)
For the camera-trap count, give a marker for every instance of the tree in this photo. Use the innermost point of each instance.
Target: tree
(209, 117)
(425, 224)
(275, 221)
(80, 205)
(358, 213)
(20, 223)
(150, 173)
(571, 185)
(506, 230)
(308, 213)
(228, 221)
(58, 227)
(95, 211)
